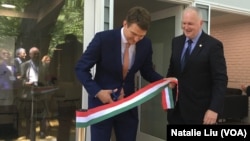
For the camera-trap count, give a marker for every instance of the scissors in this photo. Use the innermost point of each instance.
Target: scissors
(115, 95)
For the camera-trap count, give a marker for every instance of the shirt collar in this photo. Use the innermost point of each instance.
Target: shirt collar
(124, 40)
(195, 40)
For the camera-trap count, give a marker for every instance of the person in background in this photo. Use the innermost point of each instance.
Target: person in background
(115, 81)
(202, 79)
(30, 72)
(47, 80)
(62, 66)
(7, 84)
(30, 68)
(7, 77)
(63, 62)
(245, 89)
(65, 57)
(36, 71)
(45, 76)
(19, 59)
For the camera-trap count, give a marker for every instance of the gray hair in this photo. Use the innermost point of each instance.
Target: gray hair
(19, 50)
(197, 10)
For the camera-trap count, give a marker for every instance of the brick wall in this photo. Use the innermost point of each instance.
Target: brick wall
(236, 41)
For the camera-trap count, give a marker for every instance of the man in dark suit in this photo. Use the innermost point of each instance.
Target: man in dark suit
(202, 76)
(62, 66)
(20, 58)
(65, 57)
(106, 51)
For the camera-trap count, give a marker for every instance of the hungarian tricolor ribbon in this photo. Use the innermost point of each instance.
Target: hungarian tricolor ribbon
(100, 113)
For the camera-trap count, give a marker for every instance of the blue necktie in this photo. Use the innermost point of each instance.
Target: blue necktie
(186, 54)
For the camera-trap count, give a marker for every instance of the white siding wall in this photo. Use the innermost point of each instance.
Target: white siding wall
(242, 4)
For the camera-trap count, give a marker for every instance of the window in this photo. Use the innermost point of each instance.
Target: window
(205, 10)
(46, 105)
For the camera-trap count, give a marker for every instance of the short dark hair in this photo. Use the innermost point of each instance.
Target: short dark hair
(70, 38)
(140, 16)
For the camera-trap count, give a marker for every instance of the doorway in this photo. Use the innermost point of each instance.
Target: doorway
(152, 116)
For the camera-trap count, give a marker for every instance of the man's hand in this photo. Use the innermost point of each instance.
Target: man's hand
(105, 96)
(210, 117)
(244, 88)
(29, 84)
(173, 82)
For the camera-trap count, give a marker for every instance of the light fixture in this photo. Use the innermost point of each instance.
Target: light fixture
(8, 4)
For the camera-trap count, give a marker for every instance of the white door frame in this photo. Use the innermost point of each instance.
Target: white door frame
(174, 11)
(93, 23)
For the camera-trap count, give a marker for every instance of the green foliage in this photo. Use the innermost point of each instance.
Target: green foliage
(69, 21)
(8, 26)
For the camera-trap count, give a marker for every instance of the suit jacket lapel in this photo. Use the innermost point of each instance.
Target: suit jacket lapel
(180, 47)
(198, 47)
(137, 54)
(139, 51)
(118, 51)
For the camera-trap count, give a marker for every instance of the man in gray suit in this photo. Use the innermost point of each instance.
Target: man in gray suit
(30, 76)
